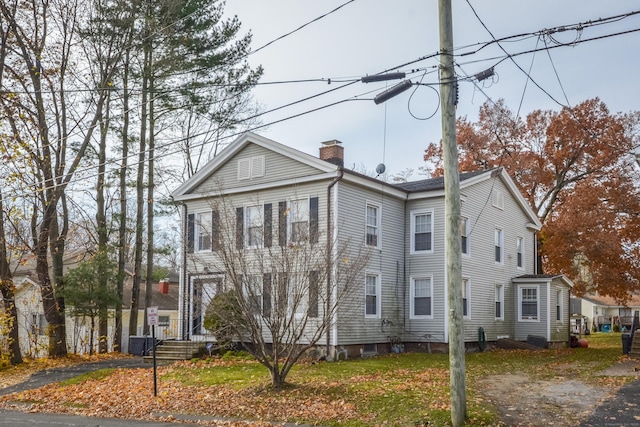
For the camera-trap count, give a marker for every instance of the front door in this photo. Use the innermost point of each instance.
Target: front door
(203, 291)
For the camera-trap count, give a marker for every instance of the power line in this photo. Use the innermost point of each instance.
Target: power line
(351, 82)
(299, 28)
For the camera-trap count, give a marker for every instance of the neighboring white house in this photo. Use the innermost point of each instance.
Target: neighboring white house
(603, 312)
(402, 225)
(32, 324)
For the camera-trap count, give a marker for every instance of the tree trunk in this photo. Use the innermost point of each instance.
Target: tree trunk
(138, 250)
(52, 311)
(122, 230)
(101, 223)
(92, 331)
(7, 288)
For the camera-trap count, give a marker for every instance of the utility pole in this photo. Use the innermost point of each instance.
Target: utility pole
(448, 89)
(453, 256)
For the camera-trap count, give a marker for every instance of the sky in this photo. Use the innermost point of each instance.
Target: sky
(365, 37)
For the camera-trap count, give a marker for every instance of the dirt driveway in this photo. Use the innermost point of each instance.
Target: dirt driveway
(561, 401)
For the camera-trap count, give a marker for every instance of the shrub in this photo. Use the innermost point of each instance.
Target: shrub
(615, 328)
(221, 318)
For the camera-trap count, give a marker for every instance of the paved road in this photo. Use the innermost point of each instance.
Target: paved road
(621, 410)
(48, 376)
(24, 419)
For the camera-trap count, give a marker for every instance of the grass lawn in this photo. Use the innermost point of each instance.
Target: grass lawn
(396, 390)
(403, 389)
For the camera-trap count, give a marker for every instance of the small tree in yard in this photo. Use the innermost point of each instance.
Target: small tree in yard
(280, 298)
(89, 297)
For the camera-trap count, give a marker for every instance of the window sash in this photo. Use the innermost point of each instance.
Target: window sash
(520, 252)
(255, 226)
(498, 245)
(465, 297)
(299, 220)
(372, 226)
(558, 305)
(464, 233)
(371, 295)
(529, 304)
(498, 299)
(422, 232)
(203, 227)
(422, 297)
(254, 293)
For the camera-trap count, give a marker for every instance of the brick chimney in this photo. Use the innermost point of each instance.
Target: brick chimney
(332, 152)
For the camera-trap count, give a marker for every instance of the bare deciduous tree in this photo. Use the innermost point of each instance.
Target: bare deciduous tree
(278, 299)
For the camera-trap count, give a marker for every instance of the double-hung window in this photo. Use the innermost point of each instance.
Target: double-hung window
(529, 306)
(520, 252)
(254, 293)
(372, 295)
(466, 292)
(498, 245)
(254, 226)
(499, 302)
(421, 297)
(299, 220)
(203, 231)
(421, 232)
(373, 226)
(559, 305)
(464, 233)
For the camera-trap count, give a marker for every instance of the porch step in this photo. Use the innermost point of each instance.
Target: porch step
(171, 350)
(635, 345)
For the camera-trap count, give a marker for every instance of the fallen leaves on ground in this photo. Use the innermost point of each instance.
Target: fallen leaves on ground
(128, 393)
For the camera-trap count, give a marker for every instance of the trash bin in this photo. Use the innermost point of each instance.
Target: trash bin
(140, 345)
(627, 340)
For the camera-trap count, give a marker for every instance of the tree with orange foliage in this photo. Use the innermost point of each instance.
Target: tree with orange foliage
(576, 170)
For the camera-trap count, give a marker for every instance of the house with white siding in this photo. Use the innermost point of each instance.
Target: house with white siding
(402, 300)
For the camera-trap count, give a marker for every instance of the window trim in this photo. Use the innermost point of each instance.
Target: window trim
(520, 289)
(414, 214)
(376, 226)
(412, 287)
(378, 295)
(499, 297)
(498, 232)
(520, 252)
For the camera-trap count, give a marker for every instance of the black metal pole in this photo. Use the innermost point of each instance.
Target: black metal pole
(155, 366)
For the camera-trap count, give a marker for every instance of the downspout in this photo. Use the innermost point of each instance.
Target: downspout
(329, 263)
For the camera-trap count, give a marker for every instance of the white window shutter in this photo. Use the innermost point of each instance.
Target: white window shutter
(257, 166)
(244, 169)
